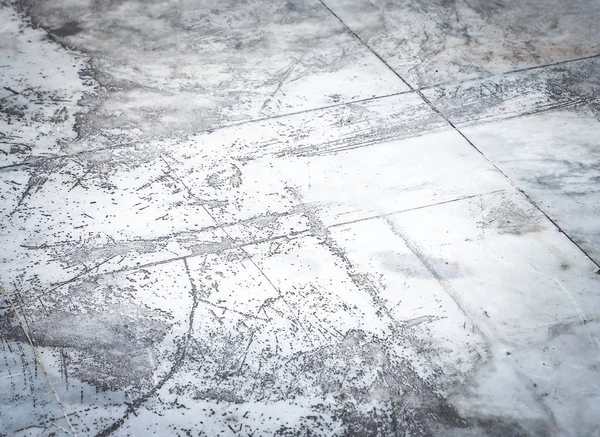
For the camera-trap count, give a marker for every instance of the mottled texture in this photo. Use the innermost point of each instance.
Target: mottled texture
(266, 218)
(432, 42)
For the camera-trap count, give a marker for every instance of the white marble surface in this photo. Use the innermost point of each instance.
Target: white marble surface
(555, 157)
(515, 277)
(518, 93)
(235, 219)
(437, 42)
(43, 86)
(172, 70)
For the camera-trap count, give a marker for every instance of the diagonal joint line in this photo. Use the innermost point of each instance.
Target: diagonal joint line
(23, 324)
(453, 126)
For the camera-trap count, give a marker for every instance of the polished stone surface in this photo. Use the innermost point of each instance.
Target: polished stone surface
(433, 42)
(299, 218)
(554, 157)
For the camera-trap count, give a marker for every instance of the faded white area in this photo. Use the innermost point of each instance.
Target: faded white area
(555, 157)
(521, 286)
(248, 224)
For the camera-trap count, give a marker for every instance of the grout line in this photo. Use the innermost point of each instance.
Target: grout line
(541, 109)
(207, 130)
(348, 103)
(261, 271)
(243, 244)
(417, 90)
(509, 180)
(509, 72)
(23, 324)
(370, 143)
(304, 111)
(451, 124)
(532, 201)
(238, 246)
(377, 55)
(401, 211)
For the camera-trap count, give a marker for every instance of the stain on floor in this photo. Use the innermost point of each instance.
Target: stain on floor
(299, 218)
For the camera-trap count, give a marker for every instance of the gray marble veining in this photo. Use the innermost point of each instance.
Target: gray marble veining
(168, 70)
(236, 218)
(436, 42)
(513, 94)
(555, 157)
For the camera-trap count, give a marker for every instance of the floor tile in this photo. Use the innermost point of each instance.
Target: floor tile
(524, 92)
(430, 43)
(310, 324)
(148, 203)
(349, 184)
(555, 158)
(311, 350)
(256, 61)
(29, 405)
(534, 296)
(304, 217)
(131, 207)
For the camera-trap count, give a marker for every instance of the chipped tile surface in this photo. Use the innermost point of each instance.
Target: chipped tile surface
(236, 218)
(166, 70)
(518, 93)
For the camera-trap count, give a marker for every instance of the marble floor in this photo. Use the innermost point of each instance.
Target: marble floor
(299, 218)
